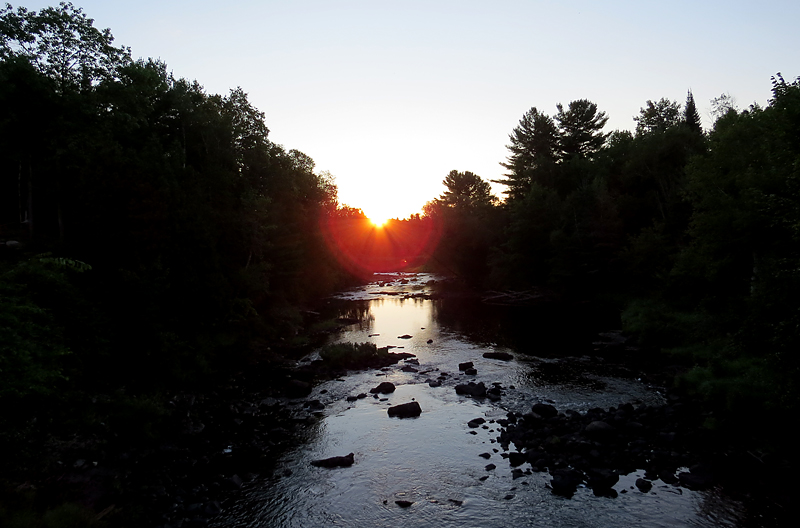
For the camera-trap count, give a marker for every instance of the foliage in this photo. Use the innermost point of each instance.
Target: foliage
(469, 222)
(466, 191)
(695, 233)
(352, 355)
(160, 229)
(533, 149)
(658, 116)
(32, 343)
(580, 127)
(62, 43)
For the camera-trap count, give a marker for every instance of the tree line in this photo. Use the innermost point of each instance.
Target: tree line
(691, 234)
(161, 228)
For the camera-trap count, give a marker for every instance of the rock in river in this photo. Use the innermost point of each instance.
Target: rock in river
(384, 388)
(476, 422)
(405, 410)
(504, 356)
(475, 390)
(337, 461)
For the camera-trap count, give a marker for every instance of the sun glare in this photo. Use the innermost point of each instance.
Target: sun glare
(378, 221)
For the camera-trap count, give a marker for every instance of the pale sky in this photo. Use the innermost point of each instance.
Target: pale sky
(391, 96)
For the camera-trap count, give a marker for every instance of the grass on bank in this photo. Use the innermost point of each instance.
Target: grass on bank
(353, 355)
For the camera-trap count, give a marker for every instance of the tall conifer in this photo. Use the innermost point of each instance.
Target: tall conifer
(690, 115)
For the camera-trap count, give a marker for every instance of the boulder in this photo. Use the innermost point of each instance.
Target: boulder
(405, 410)
(477, 422)
(599, 429)
(472, 389)
(516, 459)
(385, 387)
(544, 410)
(644, 485)
(504, 356)
(315, 405)
(600, 479)
(465, 366)
(565, 481)
(698, 478)
(337, 461)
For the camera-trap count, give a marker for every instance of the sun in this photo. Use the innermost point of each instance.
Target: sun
(378, 221)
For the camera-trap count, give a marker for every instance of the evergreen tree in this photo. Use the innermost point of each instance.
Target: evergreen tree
(580, 128)
(533, 147)
(466, 190)
(691, 117)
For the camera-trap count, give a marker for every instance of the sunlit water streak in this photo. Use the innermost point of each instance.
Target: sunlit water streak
(433, 460)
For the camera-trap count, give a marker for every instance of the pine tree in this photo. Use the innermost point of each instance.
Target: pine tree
(534, 145)
(580, 129)
(691, 117)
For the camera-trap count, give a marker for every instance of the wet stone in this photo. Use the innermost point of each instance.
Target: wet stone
(405, 410)
(385, 387)
(333, 462)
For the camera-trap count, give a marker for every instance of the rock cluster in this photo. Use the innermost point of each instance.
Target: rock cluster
(595, 447)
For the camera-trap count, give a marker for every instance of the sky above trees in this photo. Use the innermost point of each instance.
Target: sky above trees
(391, 96)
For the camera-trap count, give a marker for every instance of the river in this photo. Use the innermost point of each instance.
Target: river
(433, 461)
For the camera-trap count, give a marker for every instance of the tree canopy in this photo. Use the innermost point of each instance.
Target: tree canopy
(62, 43)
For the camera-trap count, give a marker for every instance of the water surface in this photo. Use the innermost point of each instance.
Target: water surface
(433, 461)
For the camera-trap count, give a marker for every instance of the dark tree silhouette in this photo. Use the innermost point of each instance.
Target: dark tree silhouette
(533, 147)
(658, 116)
(691, 117)
(580, 127)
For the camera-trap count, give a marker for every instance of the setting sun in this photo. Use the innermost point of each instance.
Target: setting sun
(378, 221)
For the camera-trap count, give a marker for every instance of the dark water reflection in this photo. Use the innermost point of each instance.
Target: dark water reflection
(433, 461)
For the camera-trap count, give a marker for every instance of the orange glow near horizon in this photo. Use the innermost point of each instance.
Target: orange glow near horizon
(363, 246)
